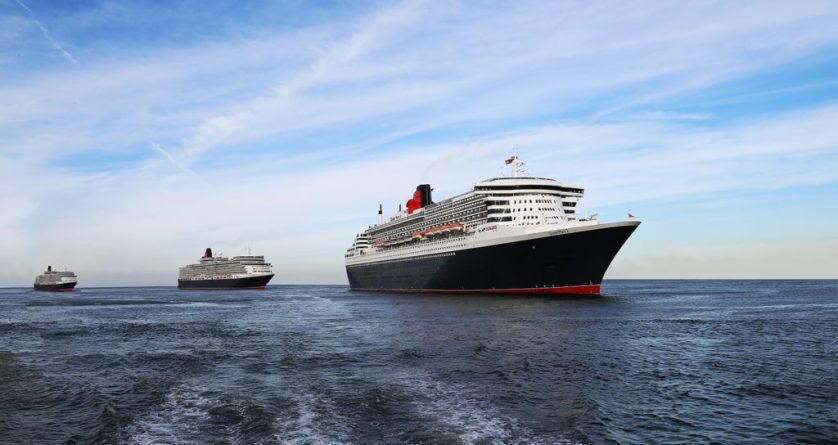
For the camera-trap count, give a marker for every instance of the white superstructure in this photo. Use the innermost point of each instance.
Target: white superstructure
(495, 211)
(55, 277)
(222, 268)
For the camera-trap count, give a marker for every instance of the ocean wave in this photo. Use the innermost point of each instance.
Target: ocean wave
(179, 419)
(317, 421)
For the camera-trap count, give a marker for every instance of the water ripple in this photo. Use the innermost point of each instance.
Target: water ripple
(651, 362)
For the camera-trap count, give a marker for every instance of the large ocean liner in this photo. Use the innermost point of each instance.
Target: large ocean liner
(56, 280)
(515, 235)
(217, 272)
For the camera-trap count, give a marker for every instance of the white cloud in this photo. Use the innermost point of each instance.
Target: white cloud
(53, 43)
(780, 259)
(23, 5)
(381, 26)
(57, 46)
(168, 156)
(304, 220)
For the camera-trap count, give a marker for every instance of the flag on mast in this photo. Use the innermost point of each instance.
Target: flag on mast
(510, 160)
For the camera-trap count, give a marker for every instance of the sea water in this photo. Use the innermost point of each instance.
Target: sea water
(648, 362)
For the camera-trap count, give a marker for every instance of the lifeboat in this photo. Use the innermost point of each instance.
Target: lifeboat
(448, 228)
(398, 241)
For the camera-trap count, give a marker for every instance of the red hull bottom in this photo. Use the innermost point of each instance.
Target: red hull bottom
(227, 288)
(592, 289)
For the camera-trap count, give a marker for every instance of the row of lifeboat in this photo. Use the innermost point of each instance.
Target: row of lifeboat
(432, 233)
(437, 231)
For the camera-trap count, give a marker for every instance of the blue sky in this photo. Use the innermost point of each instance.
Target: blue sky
(133, 135)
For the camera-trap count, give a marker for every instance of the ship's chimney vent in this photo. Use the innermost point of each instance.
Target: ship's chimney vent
(425, 194)
(208, 253)
(380, 215)
(49, 268)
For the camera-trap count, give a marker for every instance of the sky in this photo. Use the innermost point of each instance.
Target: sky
(135, 134)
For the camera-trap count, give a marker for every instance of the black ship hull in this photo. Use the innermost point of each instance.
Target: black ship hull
(564, 263)
(257, 282)
(59, 287)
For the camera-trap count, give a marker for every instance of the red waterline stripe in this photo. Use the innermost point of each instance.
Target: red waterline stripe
(592, 289)
(223, 288)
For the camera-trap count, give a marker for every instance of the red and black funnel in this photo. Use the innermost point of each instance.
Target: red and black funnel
(421, 198)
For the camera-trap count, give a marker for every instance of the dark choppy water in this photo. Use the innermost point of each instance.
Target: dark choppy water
(654, 361)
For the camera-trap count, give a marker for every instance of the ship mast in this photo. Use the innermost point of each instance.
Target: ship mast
(517, 164)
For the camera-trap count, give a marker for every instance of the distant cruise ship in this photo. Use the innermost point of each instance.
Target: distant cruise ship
(243, 272)
(56, 281)
(513, 234)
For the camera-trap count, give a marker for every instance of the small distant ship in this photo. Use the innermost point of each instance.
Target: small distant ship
(217, 272)
(508, 235)
(56, 281)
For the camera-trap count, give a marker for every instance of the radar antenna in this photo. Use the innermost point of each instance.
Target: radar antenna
(516, 164)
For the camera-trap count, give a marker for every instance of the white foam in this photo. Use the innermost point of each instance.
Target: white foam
(177, 420)
(200, 304)
(317, 422)
(474, 419)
